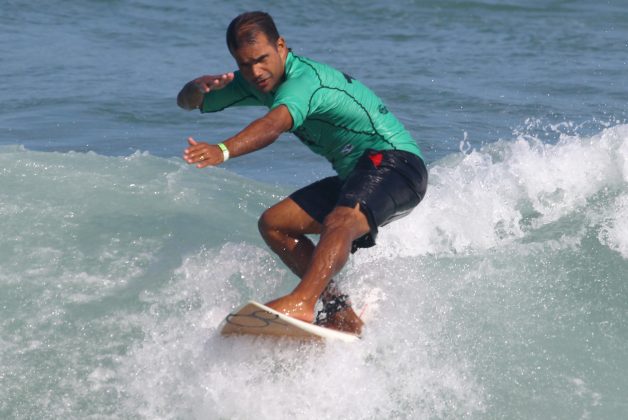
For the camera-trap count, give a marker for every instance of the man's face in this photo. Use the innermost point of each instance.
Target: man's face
(262, 63)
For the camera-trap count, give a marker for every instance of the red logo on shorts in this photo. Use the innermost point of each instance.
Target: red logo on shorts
(376, 158)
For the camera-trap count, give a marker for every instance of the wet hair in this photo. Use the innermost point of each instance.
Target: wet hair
(245, 27)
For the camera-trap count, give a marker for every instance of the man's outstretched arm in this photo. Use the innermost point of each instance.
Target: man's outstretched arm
(257, 135)
(191, 96)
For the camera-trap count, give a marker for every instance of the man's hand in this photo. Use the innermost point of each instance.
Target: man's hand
(207, 83)
(203, 154)
(191, 96)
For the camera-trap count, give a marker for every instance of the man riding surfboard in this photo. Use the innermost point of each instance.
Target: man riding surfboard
(381, 173)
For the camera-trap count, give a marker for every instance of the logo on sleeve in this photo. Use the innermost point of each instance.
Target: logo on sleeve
(347, 149)
(382, 109)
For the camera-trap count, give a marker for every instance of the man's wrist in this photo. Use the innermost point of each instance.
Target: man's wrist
(225, 151)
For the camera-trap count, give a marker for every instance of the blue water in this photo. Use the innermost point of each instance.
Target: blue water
(503, 295)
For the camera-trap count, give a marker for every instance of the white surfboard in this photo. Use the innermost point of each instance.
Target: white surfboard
(257, 319)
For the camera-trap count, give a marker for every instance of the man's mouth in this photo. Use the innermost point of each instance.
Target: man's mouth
(262, 82)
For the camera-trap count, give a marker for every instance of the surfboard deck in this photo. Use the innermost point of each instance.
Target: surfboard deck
(256, 319)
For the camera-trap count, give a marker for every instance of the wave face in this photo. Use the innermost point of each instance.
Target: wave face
(503, 295)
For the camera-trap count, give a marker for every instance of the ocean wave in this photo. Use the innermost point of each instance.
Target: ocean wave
(508, 190)
(476, 303)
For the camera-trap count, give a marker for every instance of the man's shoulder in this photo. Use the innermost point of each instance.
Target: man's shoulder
(302, 77)
(323, 75)
(303, 68)
(308, 68)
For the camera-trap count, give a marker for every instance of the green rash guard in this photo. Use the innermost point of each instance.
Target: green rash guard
(333, 114)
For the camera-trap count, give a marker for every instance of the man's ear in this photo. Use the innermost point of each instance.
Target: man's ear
(281, 46)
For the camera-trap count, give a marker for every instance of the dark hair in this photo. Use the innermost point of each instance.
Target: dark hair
(245, 27)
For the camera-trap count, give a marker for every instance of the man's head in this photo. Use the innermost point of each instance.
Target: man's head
(258, 49)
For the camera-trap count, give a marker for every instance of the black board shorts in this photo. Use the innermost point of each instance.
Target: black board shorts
(387, 184)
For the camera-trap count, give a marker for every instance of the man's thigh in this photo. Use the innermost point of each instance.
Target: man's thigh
(287, 216)
(319, 198)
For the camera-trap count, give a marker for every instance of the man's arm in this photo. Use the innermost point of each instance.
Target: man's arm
(192, 94)
(257, 135)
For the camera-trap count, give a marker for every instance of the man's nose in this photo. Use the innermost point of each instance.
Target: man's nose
(257, 71)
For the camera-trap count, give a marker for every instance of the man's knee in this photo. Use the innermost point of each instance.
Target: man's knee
(347, 219)
(265, 222)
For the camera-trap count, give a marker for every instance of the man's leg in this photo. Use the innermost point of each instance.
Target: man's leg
(283, 227)
(390, 183)
(341, 227)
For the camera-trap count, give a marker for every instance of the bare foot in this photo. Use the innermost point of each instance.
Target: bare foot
(293, 307)
(345, 320)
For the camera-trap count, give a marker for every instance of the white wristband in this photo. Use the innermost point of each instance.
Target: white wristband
(225, 152)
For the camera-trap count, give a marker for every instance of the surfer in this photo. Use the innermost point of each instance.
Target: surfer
(381, 173)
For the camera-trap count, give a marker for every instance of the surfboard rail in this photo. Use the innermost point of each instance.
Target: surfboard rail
(256, 319)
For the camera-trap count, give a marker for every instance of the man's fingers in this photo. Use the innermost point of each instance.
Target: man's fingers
(204, 83)
(207, 83)
(202, 154)
(214, 84)
(203, 164)
(228, 78)
(188, 152)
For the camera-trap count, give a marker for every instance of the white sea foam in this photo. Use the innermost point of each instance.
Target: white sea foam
(615, 231)
(184, 366)
(498, 194)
